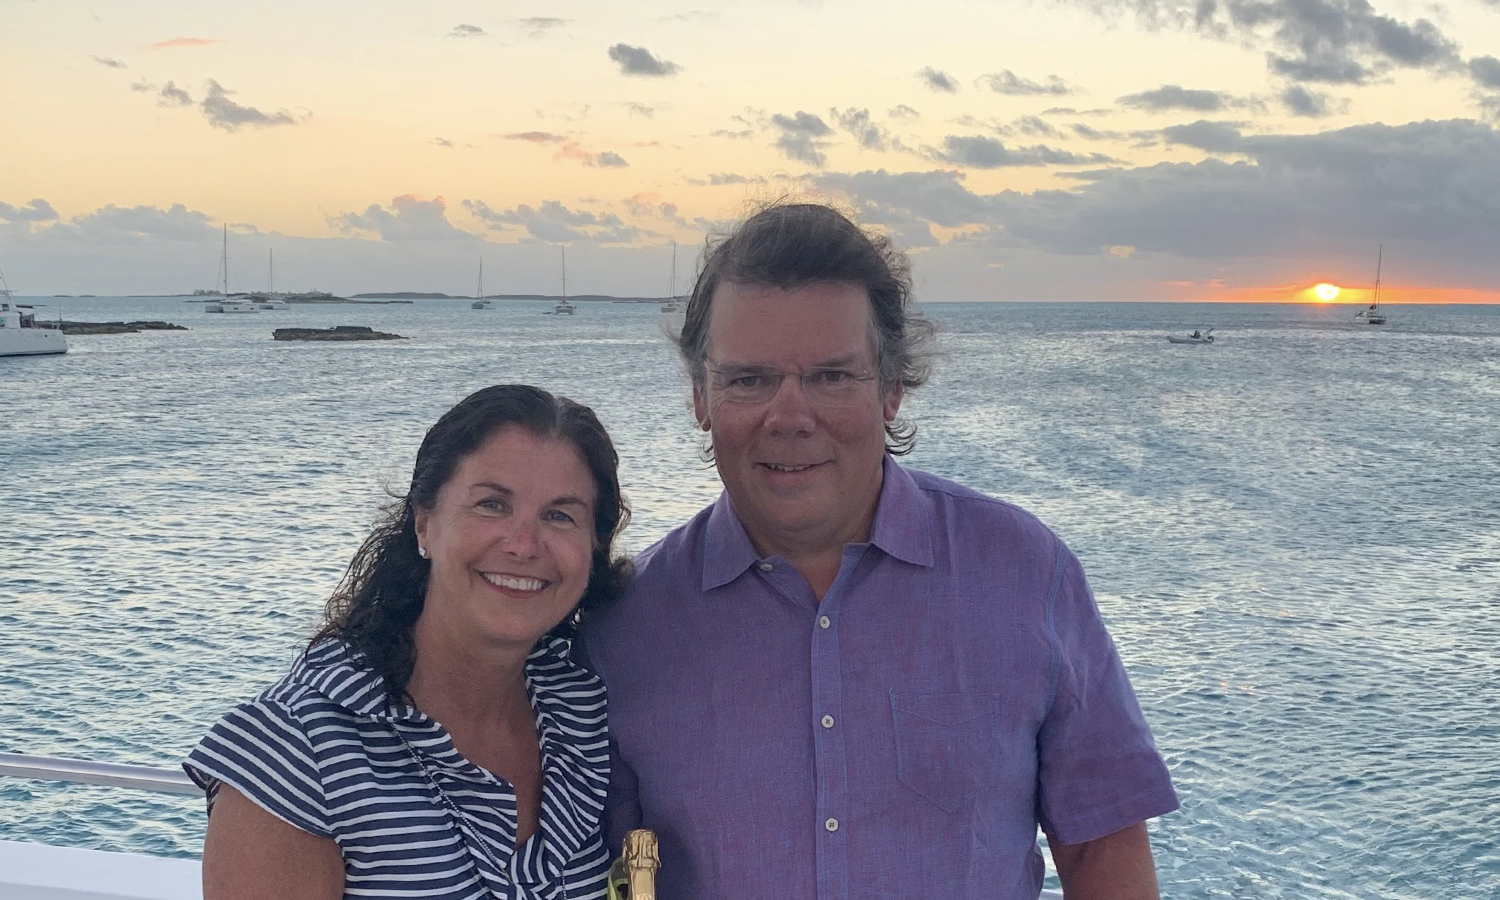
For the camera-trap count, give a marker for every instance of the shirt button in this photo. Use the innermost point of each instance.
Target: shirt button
(766, 567)
(828, 721)
(831, 825)
(823, 622)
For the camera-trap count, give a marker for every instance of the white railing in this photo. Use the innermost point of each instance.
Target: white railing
(84, 771)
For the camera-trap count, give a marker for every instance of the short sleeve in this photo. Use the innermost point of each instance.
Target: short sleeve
(261, 750)
(1099, 770)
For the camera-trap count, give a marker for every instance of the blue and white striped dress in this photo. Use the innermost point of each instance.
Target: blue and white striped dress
(325, 751)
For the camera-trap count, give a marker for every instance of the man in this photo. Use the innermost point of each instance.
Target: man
(846, 679)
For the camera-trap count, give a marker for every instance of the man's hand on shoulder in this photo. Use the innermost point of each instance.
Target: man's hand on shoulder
(1117, 866)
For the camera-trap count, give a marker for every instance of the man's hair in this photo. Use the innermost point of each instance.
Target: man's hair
(789, 245)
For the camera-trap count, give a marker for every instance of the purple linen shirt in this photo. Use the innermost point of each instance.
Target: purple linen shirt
(902, 739)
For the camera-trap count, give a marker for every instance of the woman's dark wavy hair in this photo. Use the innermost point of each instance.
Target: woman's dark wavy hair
(788, 245)
(376, 606)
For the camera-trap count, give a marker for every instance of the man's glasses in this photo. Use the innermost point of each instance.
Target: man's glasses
(758, 384)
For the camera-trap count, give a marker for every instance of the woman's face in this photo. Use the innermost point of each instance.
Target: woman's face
(510, 538)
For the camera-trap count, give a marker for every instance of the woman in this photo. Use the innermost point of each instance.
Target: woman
(435, 740)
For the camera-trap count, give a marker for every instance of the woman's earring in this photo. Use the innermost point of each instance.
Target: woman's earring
(422, 552)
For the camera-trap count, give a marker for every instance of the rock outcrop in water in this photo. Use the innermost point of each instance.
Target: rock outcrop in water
(336, 333)
(111, 327)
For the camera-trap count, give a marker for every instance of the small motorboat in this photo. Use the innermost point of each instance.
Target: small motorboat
(1197, 337)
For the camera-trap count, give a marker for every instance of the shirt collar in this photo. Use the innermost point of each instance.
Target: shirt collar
(901, 528)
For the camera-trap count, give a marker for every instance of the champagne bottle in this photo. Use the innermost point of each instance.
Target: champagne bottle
(633, 875)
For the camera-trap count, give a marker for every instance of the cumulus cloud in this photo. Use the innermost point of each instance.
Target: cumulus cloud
(541, 25)
(644, 110)
(176, 223)
(553, 222)
(1215, 137)
(801, 137)
(442, 142)
(867, 133)
(640, 61)
(1301, 100)
(979, 152)
(1485, 70)
(1008, 82)
(938, 80)
(1327, 41)
(38, 210)
(608, 160)
(1172, 96)
(110, 62)
(902, 111)
(224, 113)
(408, 218)
(647, 205)
(466, 31)
(184, 42)
(172, 95)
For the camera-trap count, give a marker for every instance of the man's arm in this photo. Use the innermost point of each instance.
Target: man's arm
(1117, 866)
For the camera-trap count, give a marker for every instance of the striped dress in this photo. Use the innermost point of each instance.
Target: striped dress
(324, 750)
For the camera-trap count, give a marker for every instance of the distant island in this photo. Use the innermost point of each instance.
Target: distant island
(336, 333)
(115, 327)
(549, 298)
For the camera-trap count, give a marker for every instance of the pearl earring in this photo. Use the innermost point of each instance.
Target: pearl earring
(422, 552)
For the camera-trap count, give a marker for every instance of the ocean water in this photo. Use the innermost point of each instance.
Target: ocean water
(1294, 535)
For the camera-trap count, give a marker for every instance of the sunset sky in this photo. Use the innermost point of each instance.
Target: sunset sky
(1067, 150)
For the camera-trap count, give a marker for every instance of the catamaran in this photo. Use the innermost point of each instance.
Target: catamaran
(1371, 314)
(20, 335)
(227, 305)
(270, 299)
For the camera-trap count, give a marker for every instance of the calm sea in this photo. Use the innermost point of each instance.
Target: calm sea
(1294, 534)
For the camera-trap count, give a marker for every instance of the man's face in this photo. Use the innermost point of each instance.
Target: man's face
(803, 468)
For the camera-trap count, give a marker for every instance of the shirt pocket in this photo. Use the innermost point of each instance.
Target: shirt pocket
(946, 744)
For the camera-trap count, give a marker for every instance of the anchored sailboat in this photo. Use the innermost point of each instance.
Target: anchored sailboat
(673, 316)
(227, 305)
(479, 301)
(1371, 314)
(563, 307)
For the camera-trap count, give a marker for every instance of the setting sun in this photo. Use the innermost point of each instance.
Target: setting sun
(1326, 291)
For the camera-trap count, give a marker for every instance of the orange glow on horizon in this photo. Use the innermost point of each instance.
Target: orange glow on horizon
(1217, 292)
(1326, 292)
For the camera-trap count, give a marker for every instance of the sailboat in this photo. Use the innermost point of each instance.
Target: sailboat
(479, 301)
(269, 300)
(1371, 314)
(673, 315)
(227, 305)
(563, 307)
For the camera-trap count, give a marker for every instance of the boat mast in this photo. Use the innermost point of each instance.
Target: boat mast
(1379, 256)
(672, 291)
(271, 274)
(480, 294)
(224, 260)
(564, 275)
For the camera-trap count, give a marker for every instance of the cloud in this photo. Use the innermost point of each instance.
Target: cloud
(1327, 41)
(184, 42)
(38, 210)
(536, 137)
(1008, 82)
(466, 31)
(142, 86)
(608, 160)
(1215, 137)
(408, 218)
(902, 111)
(694, 16)
(109, 62)
(442, 142)
(644, 110)
(1485, 70)
(537, 24)
(177, 223)
(640, 61)
(651, 206)
(980, 152)
(800, 137)
(938, 80)
(1300, 100)
(869, 135)
(1036, 126)
(553, 222)
(718, 179)
(224, 113)
(1171, 96)
(172, 95)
